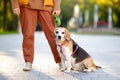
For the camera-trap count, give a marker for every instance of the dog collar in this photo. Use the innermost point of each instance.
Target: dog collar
(64, 42)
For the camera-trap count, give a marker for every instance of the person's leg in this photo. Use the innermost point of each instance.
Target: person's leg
(28, 18)
(48, 26)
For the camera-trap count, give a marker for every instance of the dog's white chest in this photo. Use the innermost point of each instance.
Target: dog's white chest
(63, 50)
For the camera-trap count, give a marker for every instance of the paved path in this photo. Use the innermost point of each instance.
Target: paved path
(105, 51)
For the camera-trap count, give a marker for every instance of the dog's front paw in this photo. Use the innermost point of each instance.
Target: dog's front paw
(62, 69)
(68, 70)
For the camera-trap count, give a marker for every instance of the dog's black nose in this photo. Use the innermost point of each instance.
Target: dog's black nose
(59, 37)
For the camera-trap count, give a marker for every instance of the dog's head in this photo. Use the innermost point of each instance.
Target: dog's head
(62, 34)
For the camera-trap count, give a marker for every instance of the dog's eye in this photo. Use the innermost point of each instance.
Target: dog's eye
(63, 32)
(57, 32)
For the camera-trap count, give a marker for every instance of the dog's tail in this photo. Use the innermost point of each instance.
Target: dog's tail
(98, 67)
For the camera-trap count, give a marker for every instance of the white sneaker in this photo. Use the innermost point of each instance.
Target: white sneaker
(28, 66)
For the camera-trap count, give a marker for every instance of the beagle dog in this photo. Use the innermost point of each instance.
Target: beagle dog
(72, 56)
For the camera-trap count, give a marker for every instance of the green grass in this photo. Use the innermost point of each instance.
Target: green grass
(8, 32)
(94, 32)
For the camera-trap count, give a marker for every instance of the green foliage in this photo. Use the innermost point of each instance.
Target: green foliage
(67, 10)
(103, 9)
(8, 32)
(68, 5)
(1, 14)
(115, 5)
(8, 21)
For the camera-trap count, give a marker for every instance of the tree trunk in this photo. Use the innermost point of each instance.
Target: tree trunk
(14, 20)
(5, 15)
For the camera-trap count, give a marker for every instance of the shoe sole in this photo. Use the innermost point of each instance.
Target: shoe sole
(27, 69)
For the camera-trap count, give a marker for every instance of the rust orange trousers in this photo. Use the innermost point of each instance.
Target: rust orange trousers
(28, 19)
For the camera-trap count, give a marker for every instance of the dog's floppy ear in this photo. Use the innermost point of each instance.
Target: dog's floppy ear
(67, 35)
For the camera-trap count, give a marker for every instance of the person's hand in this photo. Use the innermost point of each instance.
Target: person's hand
(16, 11)
(57, 12)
